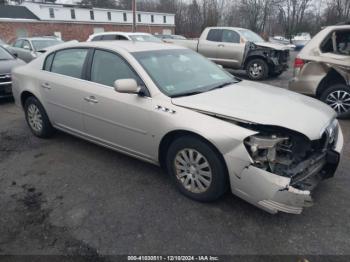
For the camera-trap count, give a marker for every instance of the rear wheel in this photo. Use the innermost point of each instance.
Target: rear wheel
(196, 169)
(338, 97)
(257, 69)
(37, 118)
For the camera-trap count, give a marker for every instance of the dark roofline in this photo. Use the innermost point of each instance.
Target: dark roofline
(16, 12)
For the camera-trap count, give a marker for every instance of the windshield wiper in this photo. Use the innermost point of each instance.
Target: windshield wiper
(223, 85)
(187, 94)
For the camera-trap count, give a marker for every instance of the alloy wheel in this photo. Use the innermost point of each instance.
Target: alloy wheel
(35, 118)
(339, 100)
(255, 70)
(193, 170)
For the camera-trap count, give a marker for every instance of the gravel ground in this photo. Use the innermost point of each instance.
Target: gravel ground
(68, 196)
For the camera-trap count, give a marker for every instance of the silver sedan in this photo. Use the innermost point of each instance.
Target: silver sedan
(170, 106)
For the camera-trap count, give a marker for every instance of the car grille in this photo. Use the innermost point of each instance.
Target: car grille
(5, 84)
(5, 79)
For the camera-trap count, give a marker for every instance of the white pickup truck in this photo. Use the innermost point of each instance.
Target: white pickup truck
(240, 48)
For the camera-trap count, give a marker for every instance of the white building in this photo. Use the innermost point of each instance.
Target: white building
(73, 13)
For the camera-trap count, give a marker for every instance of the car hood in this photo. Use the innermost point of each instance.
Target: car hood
(262, 104)
(7, 65)
(272, 45)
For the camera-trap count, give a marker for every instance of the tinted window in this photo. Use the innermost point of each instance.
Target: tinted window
(18, 43)
(125, 17)
(120, 37)
(97, 38)
(108, 67)
(69, 62)
(230, 36)
(92, 16)
(214, 35)
(108, 37)
(109, 15)
(48, 62)
(72, 13)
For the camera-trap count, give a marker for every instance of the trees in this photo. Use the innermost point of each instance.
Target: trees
(98, 3)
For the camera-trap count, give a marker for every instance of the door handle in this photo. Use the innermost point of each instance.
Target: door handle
(221, 45)
(91, 99)
(46, 86)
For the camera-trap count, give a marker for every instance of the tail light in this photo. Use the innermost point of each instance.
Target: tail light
(299, 63)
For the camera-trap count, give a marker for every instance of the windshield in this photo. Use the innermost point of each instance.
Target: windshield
(182, 72)
(145, 38)
(5, 55)
(251, 36)
(42, 44)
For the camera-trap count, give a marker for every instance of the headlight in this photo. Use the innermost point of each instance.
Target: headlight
(266, 151)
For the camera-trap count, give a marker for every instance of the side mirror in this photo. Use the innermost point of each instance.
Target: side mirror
(127, 86)
(15, 55)
(26, 47)
(220, 66)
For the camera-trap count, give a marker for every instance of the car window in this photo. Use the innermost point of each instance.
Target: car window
(18, 43)
(48, 62)
(26, 45)
(185, 71)
(69, 62)
(121, 37)
(230, 36)
(108, 67)
(215, 35)
(45, 43)
(97, 38)
(109, 37)
(337, 42)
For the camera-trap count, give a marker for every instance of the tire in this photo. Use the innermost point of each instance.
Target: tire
(197, 184)
(257, 69)
(37, 119)
(338, 97)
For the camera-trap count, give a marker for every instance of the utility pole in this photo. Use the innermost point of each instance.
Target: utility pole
(134, 15)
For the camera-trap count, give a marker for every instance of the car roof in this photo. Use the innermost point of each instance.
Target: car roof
(228, 27)
(120, 33)
(129, 46)
(38, 38)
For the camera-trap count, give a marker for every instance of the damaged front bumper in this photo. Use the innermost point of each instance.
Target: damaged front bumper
(274, 193)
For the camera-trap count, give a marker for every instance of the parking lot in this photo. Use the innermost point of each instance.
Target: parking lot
(68, 196)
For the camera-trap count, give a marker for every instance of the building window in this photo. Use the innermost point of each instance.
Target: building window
(109, 16)
(52, 12)
(139, 17)
(164, 19)
(125, 17)
(152, 18)
(72, 13)
(92, 16)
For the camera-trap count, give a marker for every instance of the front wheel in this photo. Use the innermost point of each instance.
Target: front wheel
(257, 69)
(197, 169)
(338, 97)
